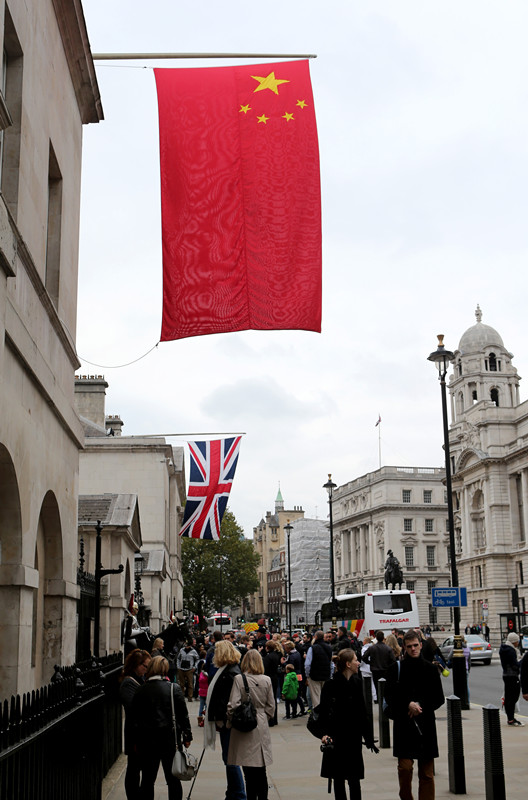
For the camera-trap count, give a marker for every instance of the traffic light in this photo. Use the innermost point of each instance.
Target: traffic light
(515, 597)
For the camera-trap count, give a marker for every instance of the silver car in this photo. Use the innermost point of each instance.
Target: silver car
(480, 649)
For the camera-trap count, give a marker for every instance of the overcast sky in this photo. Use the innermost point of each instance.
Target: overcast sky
(423, 135)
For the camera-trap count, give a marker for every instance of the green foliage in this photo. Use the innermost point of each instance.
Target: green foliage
(202, 561)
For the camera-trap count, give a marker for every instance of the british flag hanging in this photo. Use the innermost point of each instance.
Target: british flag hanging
(212, 470)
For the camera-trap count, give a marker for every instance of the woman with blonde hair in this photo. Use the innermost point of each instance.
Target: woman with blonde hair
(252, 750)
(226, 658)
(392, 642)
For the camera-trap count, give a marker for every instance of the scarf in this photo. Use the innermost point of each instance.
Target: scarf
(210, 727)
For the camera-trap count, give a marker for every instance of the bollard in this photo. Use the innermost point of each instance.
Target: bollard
(367, 695)
(455, 746)
(493, 762)
(384, 724)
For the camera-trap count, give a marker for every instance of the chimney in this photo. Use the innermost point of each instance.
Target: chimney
(90, 392)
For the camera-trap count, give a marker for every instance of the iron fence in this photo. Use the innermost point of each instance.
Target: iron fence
(60, 741)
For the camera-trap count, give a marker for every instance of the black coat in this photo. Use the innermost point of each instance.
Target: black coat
(344, 719)
(419, 681)
(272, 662)
(152, 714)
(127, 690)
(217, 709)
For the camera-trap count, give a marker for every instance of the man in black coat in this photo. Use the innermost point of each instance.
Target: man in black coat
(413, 693)
(524, 676)
(317, 666)
(380, 657)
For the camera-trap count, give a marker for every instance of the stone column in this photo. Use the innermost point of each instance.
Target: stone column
(524, 489)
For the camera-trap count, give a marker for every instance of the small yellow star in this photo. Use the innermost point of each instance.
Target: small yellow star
(263, 119)
(301, 103)
(287, 116)
(269, 82)
(245, 109)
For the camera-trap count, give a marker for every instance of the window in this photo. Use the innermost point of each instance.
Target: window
(12, 81)
(447, 525)
(409, 556)
(409, 585)
(407, 525)
(445, 497)
(430, 586)
(53, 242)
(431, 555)
(428, 496)
(428, 525)
(479, 577)
(406, 495)
(494, 396)
(520, 572)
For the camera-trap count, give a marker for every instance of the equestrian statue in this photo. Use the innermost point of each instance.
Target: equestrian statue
(393, 571)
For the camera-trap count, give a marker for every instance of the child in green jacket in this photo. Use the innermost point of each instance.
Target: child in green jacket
(290, 690)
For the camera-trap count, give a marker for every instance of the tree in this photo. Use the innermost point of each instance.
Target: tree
(202, 561)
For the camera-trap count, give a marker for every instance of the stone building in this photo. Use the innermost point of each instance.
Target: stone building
(310, 569)
(152, 470)
(489, 453)
(48, 91)
(268, 539)
(403, 509)
(277, 591)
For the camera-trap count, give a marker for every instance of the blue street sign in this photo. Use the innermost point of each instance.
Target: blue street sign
(450, 597)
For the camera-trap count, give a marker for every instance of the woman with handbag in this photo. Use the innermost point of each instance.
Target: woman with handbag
(252, 750)
(154, 730)
(225, 659)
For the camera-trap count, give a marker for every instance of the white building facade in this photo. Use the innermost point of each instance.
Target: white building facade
(403, 509)
(489, 453)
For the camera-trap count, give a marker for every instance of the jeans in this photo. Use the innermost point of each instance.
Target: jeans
(235, 782)
(132, 777)
(202, 706)
(512, 690)
(256, 783)
(150, 758)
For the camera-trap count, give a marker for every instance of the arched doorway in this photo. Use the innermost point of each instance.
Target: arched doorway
(10, 555)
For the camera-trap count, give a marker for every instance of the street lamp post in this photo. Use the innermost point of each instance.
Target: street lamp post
(442, 358)
(288, 528)
(99, 574)
(330, 486)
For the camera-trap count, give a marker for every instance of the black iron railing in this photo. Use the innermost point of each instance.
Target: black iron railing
(60, 741)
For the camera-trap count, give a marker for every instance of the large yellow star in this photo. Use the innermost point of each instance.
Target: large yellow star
(245, 109)
(263, 119)
(269, 82)
(301, 103)
(287, 116)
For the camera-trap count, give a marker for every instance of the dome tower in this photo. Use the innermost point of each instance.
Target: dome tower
(482, 371)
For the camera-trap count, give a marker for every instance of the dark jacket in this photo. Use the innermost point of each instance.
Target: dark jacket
(380, 657)
(152, 714)
(524, 674)
(127, 690)
(296, 659)
(508, 657)
(321, 658)
(219, 699)
(271, 661)
(418, 681)
(344, 719)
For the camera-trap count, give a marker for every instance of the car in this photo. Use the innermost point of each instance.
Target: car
(480, 649)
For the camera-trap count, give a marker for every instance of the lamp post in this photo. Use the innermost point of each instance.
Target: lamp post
(442, 358)
(99, 574)
(288, 528)
(330, 486)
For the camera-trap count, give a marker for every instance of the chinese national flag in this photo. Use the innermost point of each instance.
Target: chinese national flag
(241, 201)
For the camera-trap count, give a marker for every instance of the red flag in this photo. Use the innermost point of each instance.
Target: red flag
(241, 202)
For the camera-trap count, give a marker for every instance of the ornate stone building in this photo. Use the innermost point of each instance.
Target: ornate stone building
(489, 454)
(268, 539)
(403, 509)
(48, 91)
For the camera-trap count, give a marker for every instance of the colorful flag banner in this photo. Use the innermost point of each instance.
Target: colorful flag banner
(212, 469)
(240, 198)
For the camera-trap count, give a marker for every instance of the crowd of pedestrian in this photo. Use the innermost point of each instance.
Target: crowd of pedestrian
(315, 673)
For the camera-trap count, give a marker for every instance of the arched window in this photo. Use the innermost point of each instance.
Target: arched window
(494, 396)
(492, 362)
(460, 403)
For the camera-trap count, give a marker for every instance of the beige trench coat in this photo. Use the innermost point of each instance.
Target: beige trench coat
(252, 749)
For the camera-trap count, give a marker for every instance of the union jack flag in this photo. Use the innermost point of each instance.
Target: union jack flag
(213, 466)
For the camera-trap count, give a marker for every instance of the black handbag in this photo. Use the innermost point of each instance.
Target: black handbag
(244, 717)
(314, 723)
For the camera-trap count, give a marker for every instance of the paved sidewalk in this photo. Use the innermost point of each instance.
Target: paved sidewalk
(294, 774)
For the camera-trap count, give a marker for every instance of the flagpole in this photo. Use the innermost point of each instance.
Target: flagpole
(379, 444)
(155, 56)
